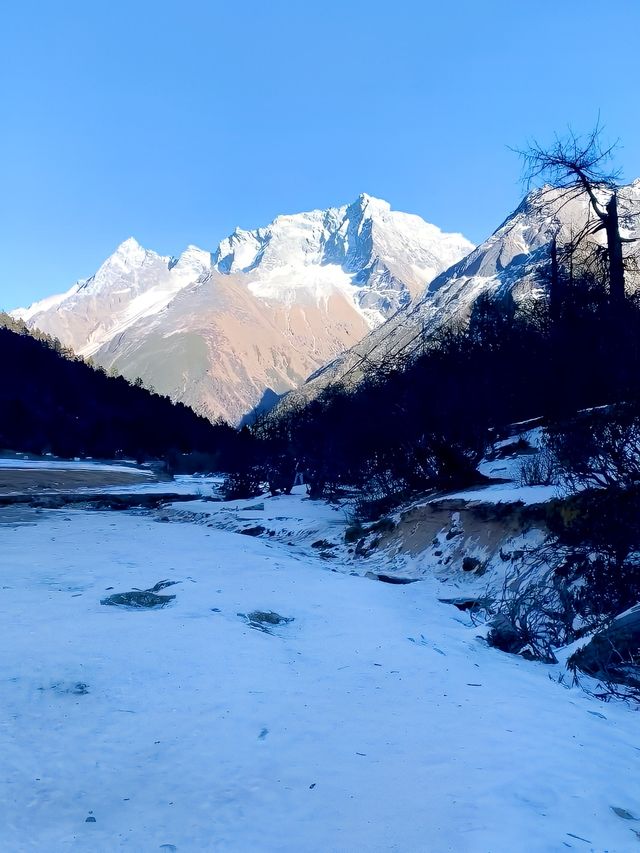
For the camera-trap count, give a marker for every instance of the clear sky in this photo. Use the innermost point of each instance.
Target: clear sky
(176, 121)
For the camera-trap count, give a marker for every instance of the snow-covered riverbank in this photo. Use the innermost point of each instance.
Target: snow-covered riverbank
(375, 721)
(22, 475)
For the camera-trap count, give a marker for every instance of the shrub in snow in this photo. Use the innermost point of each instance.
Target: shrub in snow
(532, 619)
(599, 448)
(540, 469)
(613, 653)
(242, 484)
(354, 532)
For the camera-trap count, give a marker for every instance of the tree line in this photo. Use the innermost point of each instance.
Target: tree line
(52, 402)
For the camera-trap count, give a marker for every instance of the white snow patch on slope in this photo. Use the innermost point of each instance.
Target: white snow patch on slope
(46, 304)
(509, 493)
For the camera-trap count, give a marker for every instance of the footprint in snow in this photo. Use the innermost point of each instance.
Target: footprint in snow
(265, 620)
(623, 813)
(77, 688)
(142, 598)
(424, 642)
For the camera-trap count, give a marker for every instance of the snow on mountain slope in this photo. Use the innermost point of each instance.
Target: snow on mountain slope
(218, 348)
(265, 310)
(46, 304)
(378, 257)
(507, 262)
(131, 284)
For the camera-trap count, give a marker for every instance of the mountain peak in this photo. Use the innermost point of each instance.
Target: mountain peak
(129, 252)
(193, 260)
(359, 236)
(365, 200)
(129, 244)
(129, 247)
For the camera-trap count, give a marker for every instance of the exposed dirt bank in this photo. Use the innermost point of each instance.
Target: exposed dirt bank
(40, 479)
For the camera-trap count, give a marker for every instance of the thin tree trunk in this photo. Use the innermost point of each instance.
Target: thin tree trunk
(555, 291)
(614, 248)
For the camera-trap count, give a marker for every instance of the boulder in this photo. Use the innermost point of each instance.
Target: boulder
(613, 654)
(470, 564)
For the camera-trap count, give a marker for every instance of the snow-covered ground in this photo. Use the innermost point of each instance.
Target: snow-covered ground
(508, 493)
(375, 721)
(21, 474)
(24, 476)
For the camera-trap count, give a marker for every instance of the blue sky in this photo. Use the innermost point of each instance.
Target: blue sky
(176, 121)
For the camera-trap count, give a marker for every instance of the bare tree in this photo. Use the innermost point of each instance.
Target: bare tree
(579, 164)
(598, 449)
(556, 295)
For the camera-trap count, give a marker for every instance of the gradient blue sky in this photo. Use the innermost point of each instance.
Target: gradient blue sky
(176, 121)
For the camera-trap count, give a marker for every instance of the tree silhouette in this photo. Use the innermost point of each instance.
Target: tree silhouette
(576, 164)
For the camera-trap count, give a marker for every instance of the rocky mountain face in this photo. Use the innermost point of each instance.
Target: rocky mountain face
(507, 263)
(221, 331)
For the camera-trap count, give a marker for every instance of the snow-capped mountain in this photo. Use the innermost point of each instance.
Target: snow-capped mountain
(267, 308)
(507, 262)
(133, 283)
(379, 258)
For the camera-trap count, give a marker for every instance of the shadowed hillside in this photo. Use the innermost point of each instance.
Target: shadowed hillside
(51, 402)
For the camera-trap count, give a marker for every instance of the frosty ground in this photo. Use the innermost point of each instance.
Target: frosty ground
(377, 720)
(19, 475)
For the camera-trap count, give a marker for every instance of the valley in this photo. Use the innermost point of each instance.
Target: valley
(319, 428)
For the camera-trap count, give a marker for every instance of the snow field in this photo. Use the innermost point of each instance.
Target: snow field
(376, 721)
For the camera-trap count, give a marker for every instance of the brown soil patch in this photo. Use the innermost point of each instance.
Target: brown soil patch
(27, 480)
(478, 524)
